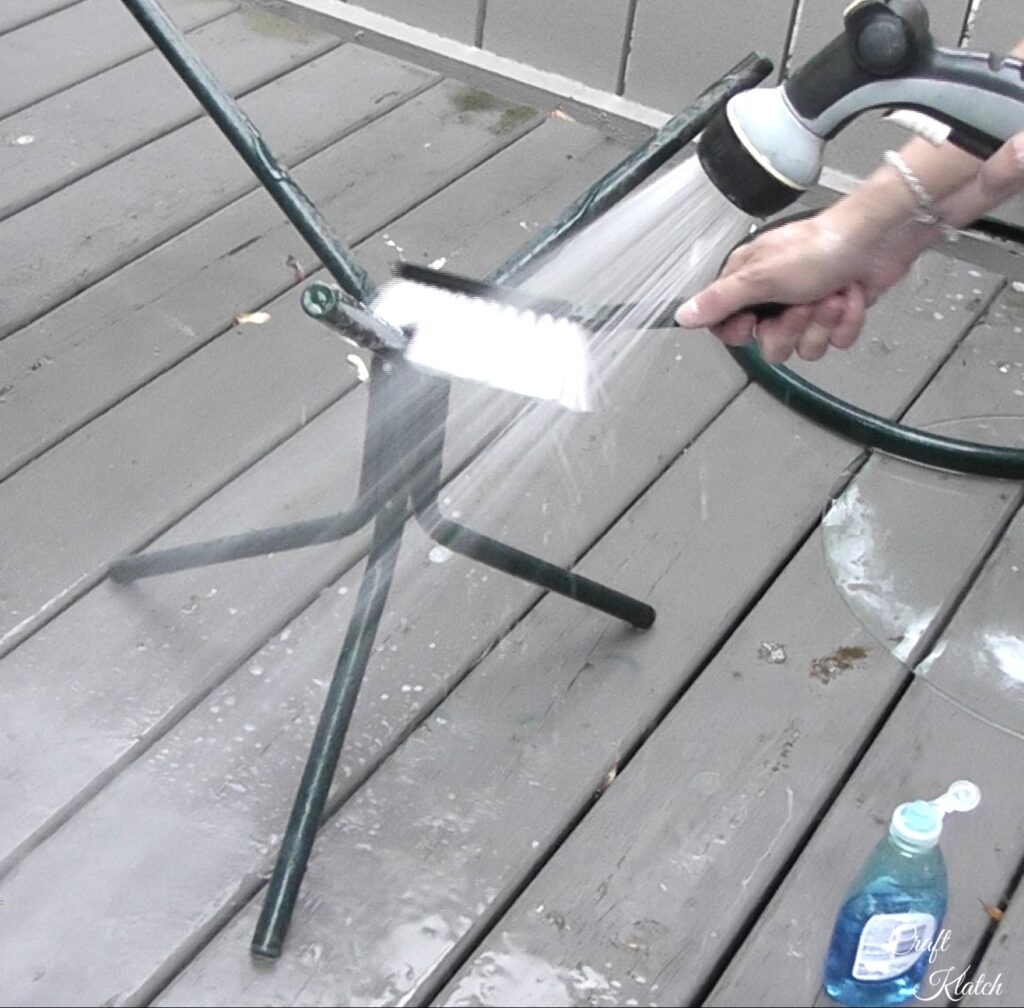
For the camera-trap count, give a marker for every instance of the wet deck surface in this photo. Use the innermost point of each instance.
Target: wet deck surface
(535, 804)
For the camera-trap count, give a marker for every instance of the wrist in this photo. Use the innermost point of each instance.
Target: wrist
(878, 206)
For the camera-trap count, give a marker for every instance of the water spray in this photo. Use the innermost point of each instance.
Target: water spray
(760, 152)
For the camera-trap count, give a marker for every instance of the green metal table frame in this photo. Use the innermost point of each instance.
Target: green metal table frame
(404, 439)
(403, 442)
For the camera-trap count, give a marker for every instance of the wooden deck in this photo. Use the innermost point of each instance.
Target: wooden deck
(535, 804)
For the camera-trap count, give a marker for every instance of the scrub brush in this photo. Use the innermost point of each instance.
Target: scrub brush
(503, 336)
(500, 336)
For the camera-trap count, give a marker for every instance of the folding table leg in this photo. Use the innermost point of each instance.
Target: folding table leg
(531, 568)
(313, 532)
(499, 555)
(322, 762)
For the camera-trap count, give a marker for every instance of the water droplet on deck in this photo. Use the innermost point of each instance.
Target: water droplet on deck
(774, 654)
(707, 782)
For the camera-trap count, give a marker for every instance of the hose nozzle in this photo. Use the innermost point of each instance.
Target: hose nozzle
(747, 148)
(767, 146)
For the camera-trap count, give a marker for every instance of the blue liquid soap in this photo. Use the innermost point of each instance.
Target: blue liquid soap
(893, 911)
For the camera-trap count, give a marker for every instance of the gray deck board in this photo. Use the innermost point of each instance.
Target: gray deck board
(1000, 962)
(22, 665)
(535, 804)
(50, 54)
(650, 890)
(553, 727)
(166, 304)
(16, 13)
(927, 743)
(406, 679)
(135, 102)
(997, 25)
(187, 175)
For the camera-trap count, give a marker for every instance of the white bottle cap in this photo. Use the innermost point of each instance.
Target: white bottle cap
(920, 822)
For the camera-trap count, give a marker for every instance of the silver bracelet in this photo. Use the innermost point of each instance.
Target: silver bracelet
(927, 212)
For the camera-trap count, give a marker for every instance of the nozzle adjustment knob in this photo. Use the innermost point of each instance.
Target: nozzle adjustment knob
(885, 34)
(883, 45)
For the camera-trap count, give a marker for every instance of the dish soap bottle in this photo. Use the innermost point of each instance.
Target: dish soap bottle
(893, 911)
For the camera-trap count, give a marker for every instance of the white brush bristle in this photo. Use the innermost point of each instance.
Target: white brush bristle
(510, 348)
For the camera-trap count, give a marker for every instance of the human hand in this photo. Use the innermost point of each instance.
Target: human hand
(832, 267)
(826, 267)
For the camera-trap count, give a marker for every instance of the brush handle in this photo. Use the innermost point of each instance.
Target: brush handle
(767, 310)
(456, 283)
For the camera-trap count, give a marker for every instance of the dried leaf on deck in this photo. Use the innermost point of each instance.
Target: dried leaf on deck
(993, 911)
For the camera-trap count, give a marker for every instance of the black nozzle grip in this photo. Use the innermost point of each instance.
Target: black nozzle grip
(765, 310)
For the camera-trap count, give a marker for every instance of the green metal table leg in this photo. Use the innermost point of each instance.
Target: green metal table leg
(499, 555)
(246, 139)
(402, 407)
(308, 810)
(529, 568)
(389, 425)
(313, 532)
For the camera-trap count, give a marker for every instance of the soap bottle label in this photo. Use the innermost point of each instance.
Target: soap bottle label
(891, 943)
